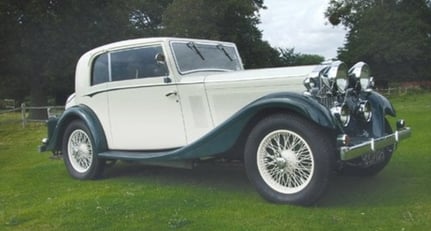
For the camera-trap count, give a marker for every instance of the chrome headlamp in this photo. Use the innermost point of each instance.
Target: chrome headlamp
(338, 73)
(365, 110)
(342, 113)
(361, 72)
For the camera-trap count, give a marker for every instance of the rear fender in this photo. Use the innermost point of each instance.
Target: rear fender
(79, 112)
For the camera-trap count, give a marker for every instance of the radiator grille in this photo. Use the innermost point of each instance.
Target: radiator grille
(327, 101)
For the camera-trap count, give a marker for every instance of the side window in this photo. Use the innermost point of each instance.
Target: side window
(137, 63)
(100, 70)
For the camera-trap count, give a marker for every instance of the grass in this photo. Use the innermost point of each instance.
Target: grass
(36, 193)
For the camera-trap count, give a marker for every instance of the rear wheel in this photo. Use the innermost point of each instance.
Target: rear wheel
(79, 152)
(289, 159)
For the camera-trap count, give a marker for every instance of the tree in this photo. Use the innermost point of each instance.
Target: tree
(230, 20)
(393, 36)
(44, 39)
(289, 57)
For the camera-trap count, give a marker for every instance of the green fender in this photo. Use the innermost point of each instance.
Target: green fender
(57, 126)
(381, 107)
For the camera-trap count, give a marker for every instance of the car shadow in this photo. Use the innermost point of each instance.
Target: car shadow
(343, 191)
(350, 191)
(225, 176)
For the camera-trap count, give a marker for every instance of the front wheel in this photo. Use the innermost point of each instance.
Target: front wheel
(289, 159)
(79, 152)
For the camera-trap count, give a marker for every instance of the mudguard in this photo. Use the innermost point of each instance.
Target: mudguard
(381, 107)
(57, 126)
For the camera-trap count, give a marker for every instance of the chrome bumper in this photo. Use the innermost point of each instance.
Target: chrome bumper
(373, 145)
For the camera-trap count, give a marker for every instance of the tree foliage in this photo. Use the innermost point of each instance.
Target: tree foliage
(230, 20)
(393, 36)
(289, 57)
(43, 39)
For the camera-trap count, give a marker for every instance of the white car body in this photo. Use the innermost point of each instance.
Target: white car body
(198, 101)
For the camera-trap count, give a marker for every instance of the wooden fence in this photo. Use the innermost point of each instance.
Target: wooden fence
(25, 110)
(397, 90)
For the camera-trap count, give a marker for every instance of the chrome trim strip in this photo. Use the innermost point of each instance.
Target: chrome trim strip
(347, 153)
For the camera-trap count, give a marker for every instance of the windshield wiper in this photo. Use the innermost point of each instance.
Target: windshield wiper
(193, 47)
(221, 47)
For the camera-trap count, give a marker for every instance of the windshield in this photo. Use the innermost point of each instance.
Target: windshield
(193, 57)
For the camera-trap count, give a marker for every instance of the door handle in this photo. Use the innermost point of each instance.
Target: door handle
(171, 93)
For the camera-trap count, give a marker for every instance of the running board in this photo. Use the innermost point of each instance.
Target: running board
(136, 155)
(149, 158)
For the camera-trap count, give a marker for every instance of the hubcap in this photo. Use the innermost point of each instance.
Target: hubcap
(80, 151)
(285, 161)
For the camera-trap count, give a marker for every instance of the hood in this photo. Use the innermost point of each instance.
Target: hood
(300, 72)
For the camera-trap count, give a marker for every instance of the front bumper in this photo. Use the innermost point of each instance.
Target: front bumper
(373, 145)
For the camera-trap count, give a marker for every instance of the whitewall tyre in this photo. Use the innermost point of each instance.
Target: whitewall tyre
(79, 152)
(289, 159)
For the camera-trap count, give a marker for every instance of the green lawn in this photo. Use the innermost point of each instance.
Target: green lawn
(36, 193)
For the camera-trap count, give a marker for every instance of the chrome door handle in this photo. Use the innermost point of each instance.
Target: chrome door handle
(171, 93)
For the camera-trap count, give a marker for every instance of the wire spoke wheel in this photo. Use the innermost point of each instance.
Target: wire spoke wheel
(289, 159)
(285, 161)
(80, 151)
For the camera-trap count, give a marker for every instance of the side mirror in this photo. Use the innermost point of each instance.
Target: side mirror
(160, 58)
(162, 69)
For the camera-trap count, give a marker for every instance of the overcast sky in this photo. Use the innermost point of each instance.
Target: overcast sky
(300, 24)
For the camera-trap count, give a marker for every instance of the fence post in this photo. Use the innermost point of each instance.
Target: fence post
(23, 118)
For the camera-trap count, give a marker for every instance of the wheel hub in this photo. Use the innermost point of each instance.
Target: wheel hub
(280, 162)
(83, 149)
(290, 159)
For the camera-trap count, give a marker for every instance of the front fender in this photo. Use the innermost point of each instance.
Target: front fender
(381, 107)
(79, 112)
(298, 103)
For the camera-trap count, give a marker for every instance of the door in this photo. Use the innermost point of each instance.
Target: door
(144, 111)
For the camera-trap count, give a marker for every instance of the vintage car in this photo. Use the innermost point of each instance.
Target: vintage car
(177, 102)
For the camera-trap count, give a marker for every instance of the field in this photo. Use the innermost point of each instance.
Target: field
(36, 192)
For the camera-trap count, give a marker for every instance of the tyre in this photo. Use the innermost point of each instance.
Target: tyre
(370, 165)
(289, 159)
(79, 152)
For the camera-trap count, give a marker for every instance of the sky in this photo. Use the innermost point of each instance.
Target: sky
(301, 24)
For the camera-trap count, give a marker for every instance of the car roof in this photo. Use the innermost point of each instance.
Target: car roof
(138, 41)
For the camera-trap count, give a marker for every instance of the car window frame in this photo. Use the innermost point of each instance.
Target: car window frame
(109, 66)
